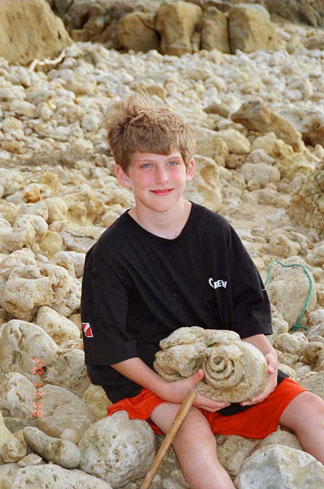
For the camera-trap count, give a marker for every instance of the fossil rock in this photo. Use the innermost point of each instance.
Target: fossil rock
(61, 452)
(234, 370)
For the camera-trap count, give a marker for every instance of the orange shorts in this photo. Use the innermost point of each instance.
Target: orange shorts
(256, 422)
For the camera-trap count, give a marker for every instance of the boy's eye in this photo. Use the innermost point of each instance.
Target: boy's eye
(146, 165)
(173, 163)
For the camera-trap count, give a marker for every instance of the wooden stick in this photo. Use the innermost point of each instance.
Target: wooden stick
(169, 437)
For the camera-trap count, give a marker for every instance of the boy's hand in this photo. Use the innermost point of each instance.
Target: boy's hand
(272, 384)
(178, 389)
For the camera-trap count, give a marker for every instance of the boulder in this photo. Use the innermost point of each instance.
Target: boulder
(61, 452)
(16, 395)
(314, 383)
(288, 162)
(117, 449)
(49, 475)
(236, 142)
(307, 202)
(136, 31)
(176, 24)
(251, 29)
(232, 450)
(69, 371)
(260, 174)
(29, 30)
(288, 290)
(205, 189)
(211, 145)
(280, 245)
(64, 413)
(214, 34)
(11, 449)
(256, 116)
(23, 342)
(291, 343)
(279, 466)
(57, 326)
(97, 400)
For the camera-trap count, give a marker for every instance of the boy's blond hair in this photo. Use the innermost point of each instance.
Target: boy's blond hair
(137, 125)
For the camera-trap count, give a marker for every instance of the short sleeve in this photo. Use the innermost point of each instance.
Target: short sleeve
(104, 306)
(251, 306)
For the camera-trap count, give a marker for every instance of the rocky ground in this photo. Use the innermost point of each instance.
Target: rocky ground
(259, 123)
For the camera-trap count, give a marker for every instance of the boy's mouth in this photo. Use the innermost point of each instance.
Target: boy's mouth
(164, 191)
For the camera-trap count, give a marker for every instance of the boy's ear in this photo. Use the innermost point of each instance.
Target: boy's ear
(122, 176)
(190, 171)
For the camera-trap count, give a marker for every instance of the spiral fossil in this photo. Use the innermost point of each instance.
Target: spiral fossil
(235, 370)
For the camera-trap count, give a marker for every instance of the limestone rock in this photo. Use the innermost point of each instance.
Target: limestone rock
(136, 31)
(214, 34)
(256, 116)
(209, 144)
(316, 256)
(205, 189)
(236, 142)
(97, 400)
(80, 238)
(251, 29)
(280, 245)
(176, 23)
(279, 466)
(288, 290)
(11, 449)
(313, 354)
(22, 342)
(72, 261)
(57, 326)
(314, 383)
(307, 202)
(17, 395)
(291, 342)
(232, 450)
(234, 372)
(63, 410)
(38, 32)
(260, 174)
(69, 371)
(60, 452)
(278, 437)
(117, 449)
(39, 284)
(51, 475)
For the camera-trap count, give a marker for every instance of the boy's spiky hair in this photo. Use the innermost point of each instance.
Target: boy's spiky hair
(137, 125)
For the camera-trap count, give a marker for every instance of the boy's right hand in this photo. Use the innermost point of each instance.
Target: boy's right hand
(177, 390)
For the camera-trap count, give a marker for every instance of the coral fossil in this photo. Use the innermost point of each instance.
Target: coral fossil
(235, 370)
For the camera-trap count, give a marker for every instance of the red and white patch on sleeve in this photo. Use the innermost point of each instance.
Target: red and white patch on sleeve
(87, 330)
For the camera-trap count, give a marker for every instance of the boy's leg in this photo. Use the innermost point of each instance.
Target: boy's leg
(304, 415)
(195, 447)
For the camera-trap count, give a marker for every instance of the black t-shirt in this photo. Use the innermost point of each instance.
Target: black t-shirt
(138, 287)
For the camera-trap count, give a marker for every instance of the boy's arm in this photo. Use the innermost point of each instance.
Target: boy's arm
(137, 371)
(261, 342)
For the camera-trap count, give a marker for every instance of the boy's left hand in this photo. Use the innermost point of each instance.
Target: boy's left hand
(272, 384)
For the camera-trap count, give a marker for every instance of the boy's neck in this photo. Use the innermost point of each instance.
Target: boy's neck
(168, 224)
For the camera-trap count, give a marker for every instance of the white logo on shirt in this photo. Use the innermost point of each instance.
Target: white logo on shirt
(217, 283)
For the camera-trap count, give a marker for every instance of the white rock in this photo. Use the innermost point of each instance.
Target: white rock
(63, 410)
(17, 395)
(279, 466)
(50, 475)
(117, 450)
(57, 326)
(22, 342)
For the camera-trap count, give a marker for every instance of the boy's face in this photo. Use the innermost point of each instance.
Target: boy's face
(158, 181)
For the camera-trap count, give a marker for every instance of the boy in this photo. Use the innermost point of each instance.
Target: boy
(159, 267)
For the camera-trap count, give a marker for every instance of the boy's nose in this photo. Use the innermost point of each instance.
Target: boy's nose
(161, 175)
